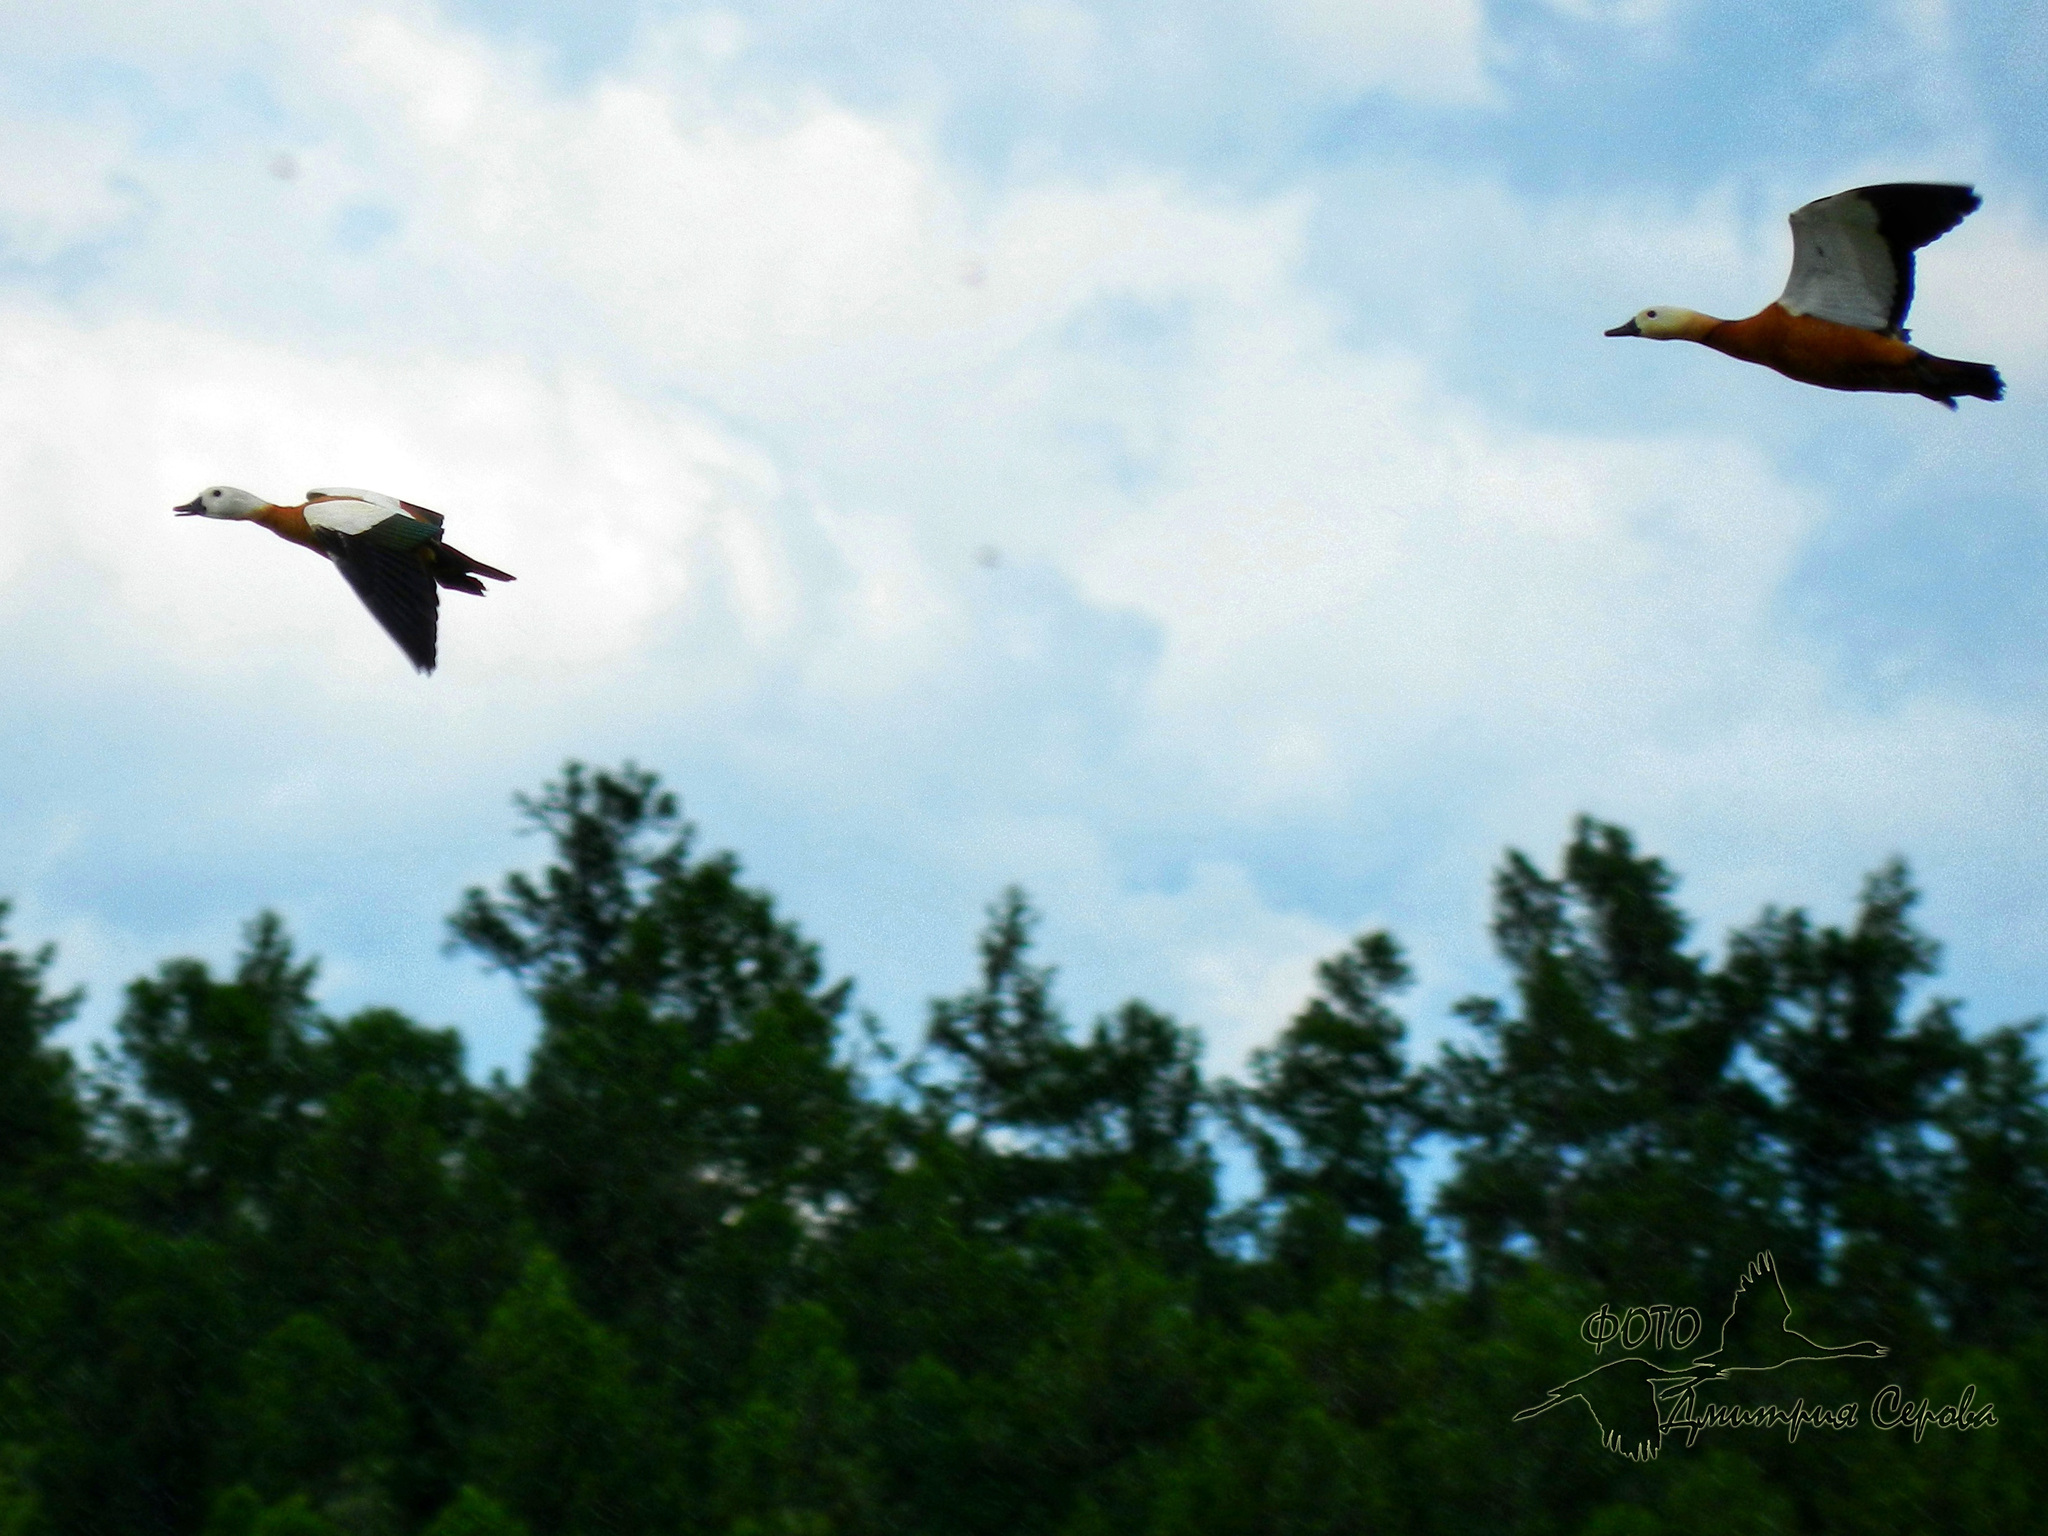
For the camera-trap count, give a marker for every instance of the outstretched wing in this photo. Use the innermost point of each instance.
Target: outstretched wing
(352, 493)
(385, 556)
(1624, 1398)
(1758, 1337)
(375, 499)
(1852, 254)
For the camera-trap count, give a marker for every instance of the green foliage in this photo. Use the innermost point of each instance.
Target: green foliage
(293, 1517)
(235, 1512)
(1862, 1086)
(1722, 1493)
(312, 1415)
(336, 1167)
(693, 1277)
(471, 1513)
(1331, 1115)
(683, 1111)
(1996, 1277)
(1610, 1128)
(225, 1071)
(20, 1509)
(240, 1512)
(562, 1439)
(624, 910)
(38, 1102)
(1120, 1369)
(1040, 1126)
(1274, 1460)
(388, 1222)
(794, 1458)
(119, 1373)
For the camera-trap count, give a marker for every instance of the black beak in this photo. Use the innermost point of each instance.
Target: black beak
(190, 509)
(1626, 328)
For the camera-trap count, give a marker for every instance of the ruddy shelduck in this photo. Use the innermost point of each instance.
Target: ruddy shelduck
(1841, 321)
(391, 552)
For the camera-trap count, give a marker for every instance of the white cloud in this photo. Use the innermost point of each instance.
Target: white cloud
(59, 186)
(1619, 13)
(706, 232)
(1974, 290)
(1233, 962)
(1431, 53)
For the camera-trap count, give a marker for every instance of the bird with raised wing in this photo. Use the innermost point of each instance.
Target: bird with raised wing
(1635, 1402)
(1841, 321)
(390, 551)
(1760, 1338)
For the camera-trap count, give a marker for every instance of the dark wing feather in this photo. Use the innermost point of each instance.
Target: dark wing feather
(394, 584)
(1911, 214)
(448, 560)
(457, 580)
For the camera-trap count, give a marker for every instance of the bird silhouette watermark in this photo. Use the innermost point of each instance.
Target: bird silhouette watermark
(1637, 1401)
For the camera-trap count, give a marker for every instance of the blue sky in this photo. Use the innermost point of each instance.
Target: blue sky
(1334, 549)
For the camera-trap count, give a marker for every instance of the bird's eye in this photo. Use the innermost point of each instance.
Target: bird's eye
(1650, 314)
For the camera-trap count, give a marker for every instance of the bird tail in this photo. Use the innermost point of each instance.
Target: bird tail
(1943, 378)
(457, 571)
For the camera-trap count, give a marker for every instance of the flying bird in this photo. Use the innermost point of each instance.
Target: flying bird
(1635, 1402)
(1841, 321)
(1628, 1399)
(1765, 1330)
(391, 552)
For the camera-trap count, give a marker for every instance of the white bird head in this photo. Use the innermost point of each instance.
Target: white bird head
(222, 501)
(1666, 322)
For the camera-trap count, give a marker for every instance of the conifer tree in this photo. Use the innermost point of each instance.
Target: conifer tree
(1331, 1113)
(38, 1097)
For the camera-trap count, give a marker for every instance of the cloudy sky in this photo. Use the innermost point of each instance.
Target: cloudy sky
(1165, 456)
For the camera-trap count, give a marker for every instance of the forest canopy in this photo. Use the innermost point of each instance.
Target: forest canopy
(719, 1264)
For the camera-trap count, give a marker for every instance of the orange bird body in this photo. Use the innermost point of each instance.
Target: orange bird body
(1840, 323)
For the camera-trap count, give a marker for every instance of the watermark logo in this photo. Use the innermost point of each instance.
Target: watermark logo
(1637, 1401)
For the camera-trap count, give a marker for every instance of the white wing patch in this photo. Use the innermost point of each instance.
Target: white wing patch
(349, 514)
(351, 493)
(1842, 270)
